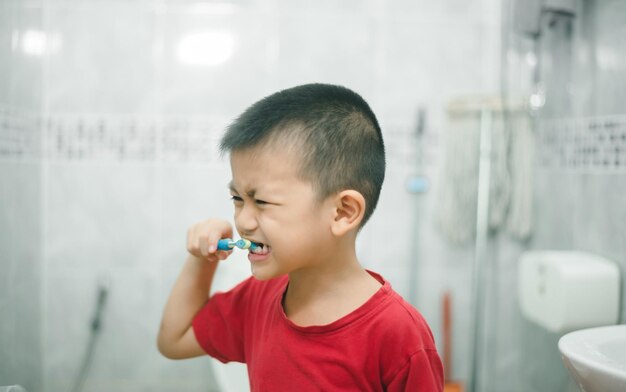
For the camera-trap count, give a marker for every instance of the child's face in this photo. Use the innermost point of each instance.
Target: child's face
(276, 208)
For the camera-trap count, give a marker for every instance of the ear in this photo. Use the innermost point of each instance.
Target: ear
(349, 210)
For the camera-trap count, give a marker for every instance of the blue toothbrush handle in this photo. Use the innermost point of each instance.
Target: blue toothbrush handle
(225, 244)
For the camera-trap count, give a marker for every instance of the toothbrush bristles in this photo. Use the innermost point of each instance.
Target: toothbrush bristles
(246, 244)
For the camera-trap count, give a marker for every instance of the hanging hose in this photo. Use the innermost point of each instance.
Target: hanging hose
(96, 325)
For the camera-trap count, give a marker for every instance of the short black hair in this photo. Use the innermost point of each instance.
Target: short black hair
(341, 143)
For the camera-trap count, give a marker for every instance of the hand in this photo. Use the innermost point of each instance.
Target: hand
(202, 239)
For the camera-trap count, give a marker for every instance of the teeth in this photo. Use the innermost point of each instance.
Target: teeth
(261, 249)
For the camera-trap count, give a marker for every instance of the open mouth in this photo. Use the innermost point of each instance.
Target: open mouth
(260, 248)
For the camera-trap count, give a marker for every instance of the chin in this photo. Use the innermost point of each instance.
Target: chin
(263, 274)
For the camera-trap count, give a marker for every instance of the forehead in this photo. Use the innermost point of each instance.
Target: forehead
(262, 167)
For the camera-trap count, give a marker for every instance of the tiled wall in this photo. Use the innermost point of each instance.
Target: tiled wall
(579, 186)
(21, 313)
(21, 254)
(128, 161)
(583, 144)
(107, 153)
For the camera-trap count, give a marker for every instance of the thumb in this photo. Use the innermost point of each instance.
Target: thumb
(222, 230)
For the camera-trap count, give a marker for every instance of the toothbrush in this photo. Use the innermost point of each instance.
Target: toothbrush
(229, 243)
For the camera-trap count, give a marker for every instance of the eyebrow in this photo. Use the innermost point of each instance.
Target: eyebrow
(249, 193)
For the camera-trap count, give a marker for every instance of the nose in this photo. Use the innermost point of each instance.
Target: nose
(246, 220)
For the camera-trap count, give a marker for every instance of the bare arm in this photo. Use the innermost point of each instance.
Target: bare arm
(176, 338)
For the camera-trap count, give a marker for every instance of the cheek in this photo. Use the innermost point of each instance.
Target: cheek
(293, 220)
(304, 231)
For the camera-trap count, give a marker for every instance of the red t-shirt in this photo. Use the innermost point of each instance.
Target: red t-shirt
(384, 345)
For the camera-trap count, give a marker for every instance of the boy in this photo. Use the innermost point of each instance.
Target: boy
(307, 168)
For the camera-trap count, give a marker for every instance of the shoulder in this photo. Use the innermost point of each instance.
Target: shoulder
(404, 338)
(399, 321)
(406, 324)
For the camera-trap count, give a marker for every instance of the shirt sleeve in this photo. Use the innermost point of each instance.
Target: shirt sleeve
(219, 325)
(423, 372)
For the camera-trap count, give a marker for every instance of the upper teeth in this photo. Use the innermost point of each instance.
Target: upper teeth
(261, 249)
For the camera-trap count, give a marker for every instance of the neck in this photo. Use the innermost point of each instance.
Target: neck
(331, 289)
(333, 270)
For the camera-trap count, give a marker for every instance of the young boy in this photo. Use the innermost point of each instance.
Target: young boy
(307, 168)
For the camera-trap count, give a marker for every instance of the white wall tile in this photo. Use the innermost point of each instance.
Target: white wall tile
(125, 215)
(106, 59)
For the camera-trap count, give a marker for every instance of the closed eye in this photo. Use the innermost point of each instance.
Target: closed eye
(236, 198)
(261, 202)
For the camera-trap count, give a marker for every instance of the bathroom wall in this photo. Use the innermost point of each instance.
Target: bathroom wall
(579, 183)
(128, 126)
(21, 253)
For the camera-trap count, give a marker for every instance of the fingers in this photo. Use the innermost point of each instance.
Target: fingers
(223, 255)
(211, 241)
(203, 243)
(202, 239)
(220, 229)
